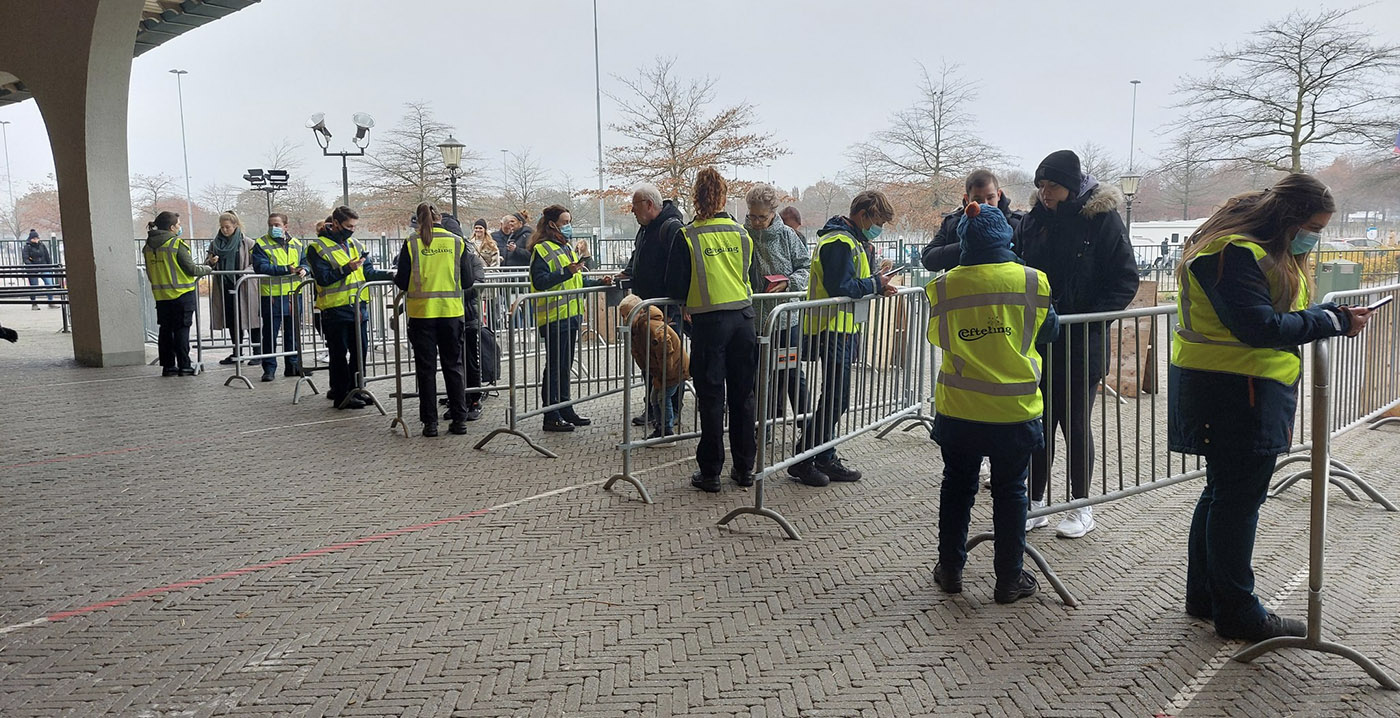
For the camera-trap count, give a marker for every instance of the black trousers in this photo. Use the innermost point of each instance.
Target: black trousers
(837, 351)
(433, 338)
(345, 358)
(559, 340)
(1068, 406)
(471, 361)
(723, 364)
(174, 317)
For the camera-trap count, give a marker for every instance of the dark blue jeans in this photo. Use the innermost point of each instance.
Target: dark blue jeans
(837, 351)
(1219, 575)
(277, 316)
(1009, 470)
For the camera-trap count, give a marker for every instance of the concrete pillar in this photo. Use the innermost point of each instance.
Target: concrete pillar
(76, 61)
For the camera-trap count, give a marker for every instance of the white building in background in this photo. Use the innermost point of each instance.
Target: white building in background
(1148, 238)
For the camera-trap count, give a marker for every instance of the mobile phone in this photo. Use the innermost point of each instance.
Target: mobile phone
(1373, 306)
(893, 270)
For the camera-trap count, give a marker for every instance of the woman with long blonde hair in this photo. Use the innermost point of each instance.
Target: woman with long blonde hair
(1244, 309)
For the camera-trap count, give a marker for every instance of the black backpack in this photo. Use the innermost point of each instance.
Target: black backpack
(490, 357)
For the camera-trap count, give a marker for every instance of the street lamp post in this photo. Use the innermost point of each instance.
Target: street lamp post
(9, 173)
(1132, 128)
(505, 176)
(598, 99)
(184, 148)
(1129, 184)
(363, 123)
(452, 157)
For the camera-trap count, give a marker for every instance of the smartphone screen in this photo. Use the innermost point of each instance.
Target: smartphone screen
(1373, 306)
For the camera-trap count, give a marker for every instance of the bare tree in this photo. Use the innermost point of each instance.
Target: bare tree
(825, 198)
(933, 142)
(220, 197)
(1304, 86)
(525, 181)
(284, 155)
(1184, 172)
(147, 192)
(672, 134)
(405, 166)
(1096, 160)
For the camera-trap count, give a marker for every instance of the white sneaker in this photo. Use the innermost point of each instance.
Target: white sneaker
(1038, 521)
(1076, 523)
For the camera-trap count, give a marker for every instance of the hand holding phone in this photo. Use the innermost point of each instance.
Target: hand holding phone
(1387, 299)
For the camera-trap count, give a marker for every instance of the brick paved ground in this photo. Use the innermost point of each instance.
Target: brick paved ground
(584, 602)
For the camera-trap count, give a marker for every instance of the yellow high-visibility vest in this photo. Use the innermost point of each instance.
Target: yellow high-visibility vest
(720, 254)
(168, 278)
(289, 255)
(435, 280)
(985, 318)
(833, 319)
(557, 257)
(342, 293)
(1203, 342)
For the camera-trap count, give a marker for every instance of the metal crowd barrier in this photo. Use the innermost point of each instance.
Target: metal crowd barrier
(252, 284)
(1323, 415)
(18, 286)
(598, 367)
(388, 350)
(1366, 376)
(885, 356)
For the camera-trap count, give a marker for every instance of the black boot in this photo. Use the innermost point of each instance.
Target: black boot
(1023, 587)
(948, 580)
(708, 484)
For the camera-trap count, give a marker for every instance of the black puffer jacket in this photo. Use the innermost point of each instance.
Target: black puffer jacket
(942, 253)
(36, 253)
(647, 266)
(1083, 249)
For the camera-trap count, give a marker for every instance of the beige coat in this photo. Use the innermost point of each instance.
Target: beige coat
(248, 315)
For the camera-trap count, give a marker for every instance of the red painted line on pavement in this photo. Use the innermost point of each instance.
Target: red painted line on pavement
(95, 454)
(333, 548)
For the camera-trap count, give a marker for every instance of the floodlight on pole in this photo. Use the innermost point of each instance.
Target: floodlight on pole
(269, 182)
(363, 123)
(9, 174)
(184, 149)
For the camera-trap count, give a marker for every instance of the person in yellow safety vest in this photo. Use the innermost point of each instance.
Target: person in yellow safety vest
(554, 267)
(434, 269)
(340, 266)
(173, 275)
(988, 314)
(279, 254)
(840, 268)
(708, 269)
(1242, 313)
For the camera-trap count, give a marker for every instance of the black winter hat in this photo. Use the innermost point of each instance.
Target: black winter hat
(479, 223)
(1062, 168)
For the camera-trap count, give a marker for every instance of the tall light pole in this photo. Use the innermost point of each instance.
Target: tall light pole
(451, 151)
(185, 150)
(1132, 131)
(505, 178)
(598, 99)
(9, 174)
(363, 123)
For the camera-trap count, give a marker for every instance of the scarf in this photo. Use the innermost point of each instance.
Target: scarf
(228, 248)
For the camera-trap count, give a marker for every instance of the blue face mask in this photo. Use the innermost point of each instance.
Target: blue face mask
(567, 230)
(276, 232)
(179, 231)
(1304, 241)
(873, 232)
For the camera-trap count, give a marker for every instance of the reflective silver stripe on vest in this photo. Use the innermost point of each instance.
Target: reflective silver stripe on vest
(1030, 298)
(945, 339)
(1184, 329)
(172, 265)
(693, 233)
(990, 388)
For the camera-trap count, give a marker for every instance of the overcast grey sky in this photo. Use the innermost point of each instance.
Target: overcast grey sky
(822, 74)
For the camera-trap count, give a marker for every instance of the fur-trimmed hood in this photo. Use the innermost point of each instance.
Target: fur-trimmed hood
(1093, 200)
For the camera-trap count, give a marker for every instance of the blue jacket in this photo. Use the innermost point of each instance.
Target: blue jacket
(839, 267)
(326, 275)
(1217, 413)
(262, 264)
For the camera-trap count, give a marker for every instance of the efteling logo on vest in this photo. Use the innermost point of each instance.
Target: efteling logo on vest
(716, 251)
(429, 251)
(994, 326)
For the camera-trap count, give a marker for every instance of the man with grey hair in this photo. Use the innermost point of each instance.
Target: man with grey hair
(660, 223)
